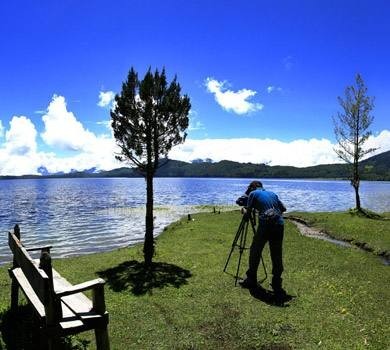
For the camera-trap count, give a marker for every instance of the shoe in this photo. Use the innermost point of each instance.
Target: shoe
(280, 293)
(248, 283)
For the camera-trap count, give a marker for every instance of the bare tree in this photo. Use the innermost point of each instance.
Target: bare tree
(351, 129)
(148, 119)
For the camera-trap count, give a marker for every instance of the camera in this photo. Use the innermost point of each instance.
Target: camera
(242, 201)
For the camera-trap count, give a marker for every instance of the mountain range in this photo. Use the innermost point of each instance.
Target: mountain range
(373, 168)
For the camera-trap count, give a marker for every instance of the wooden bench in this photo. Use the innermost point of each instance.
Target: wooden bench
(61, 308)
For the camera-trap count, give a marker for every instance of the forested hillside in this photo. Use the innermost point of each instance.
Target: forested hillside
(374, 168)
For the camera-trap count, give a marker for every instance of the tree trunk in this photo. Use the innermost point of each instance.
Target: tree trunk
(149, 240)
(357, 196)
(356, 177)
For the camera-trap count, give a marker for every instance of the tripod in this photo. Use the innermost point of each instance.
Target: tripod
(239, 241)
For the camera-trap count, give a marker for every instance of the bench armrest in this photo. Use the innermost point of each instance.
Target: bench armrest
(46, 248)
(81, 287)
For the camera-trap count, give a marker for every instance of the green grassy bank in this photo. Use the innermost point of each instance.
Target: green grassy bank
(341, 298)
(370, 234)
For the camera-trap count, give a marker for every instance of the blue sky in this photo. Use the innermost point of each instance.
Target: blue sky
(263, 77)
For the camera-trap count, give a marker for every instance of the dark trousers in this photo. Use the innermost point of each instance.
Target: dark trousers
(272, 233)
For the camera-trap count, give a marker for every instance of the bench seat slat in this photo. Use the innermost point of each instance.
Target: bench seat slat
(69, 319)
(29, 291)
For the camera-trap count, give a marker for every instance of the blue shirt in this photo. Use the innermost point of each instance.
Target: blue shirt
(262, 200)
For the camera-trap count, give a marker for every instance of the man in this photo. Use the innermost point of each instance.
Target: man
(270, 229)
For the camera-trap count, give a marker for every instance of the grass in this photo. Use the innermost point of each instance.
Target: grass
(368, 233)
(341, 298)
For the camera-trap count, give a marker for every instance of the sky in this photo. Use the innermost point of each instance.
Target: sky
(263, 77)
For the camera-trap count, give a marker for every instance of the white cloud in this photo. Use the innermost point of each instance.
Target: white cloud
(270, 89)
(105, 123)
(106, 98)
(21, 137)
(63, 130)
(299, 153)
(1, 130)
(194, 124)
(234, 101)
(381, 141)
(273, 88)
(288, 62)
(101, 156)
(19, 155)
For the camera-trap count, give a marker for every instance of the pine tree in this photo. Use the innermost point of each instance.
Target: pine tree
(149, 118)
(351, 130)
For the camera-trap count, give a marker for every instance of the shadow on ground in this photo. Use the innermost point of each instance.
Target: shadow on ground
(139, 279)
(17, 329)
(268, 297)
(276, 347)
(20, 332)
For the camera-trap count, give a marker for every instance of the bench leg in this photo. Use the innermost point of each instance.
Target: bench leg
(14, 294)
(102, 341)
(42, 341)
(46, 344)
(50, 344)
(36, 336)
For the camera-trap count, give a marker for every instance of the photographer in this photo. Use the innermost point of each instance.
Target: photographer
(270, 229)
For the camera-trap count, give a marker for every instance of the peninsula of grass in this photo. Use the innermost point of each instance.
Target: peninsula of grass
(341, 298)
(371, 234)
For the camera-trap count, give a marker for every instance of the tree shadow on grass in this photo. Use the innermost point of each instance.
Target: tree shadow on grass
(139, 279)
(19, 331)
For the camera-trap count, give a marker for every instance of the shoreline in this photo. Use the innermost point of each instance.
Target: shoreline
(303, 226)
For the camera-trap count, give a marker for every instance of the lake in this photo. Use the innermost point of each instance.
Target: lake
(80, 216)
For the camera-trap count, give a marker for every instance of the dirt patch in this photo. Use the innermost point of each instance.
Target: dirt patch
(308, 231)
(312, 232)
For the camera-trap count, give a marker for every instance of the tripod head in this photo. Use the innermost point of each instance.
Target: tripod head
(248, 214)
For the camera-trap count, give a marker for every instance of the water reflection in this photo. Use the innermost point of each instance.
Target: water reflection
(79, 216)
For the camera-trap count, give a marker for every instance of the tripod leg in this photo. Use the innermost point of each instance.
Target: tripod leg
(240, 230)
(242, 248)
(265, 270)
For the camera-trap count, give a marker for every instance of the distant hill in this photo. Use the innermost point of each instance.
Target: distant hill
(374, 168)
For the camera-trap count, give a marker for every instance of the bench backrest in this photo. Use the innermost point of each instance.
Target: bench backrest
(37, 278)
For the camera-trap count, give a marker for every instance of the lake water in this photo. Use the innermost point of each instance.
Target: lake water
(79, 216)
